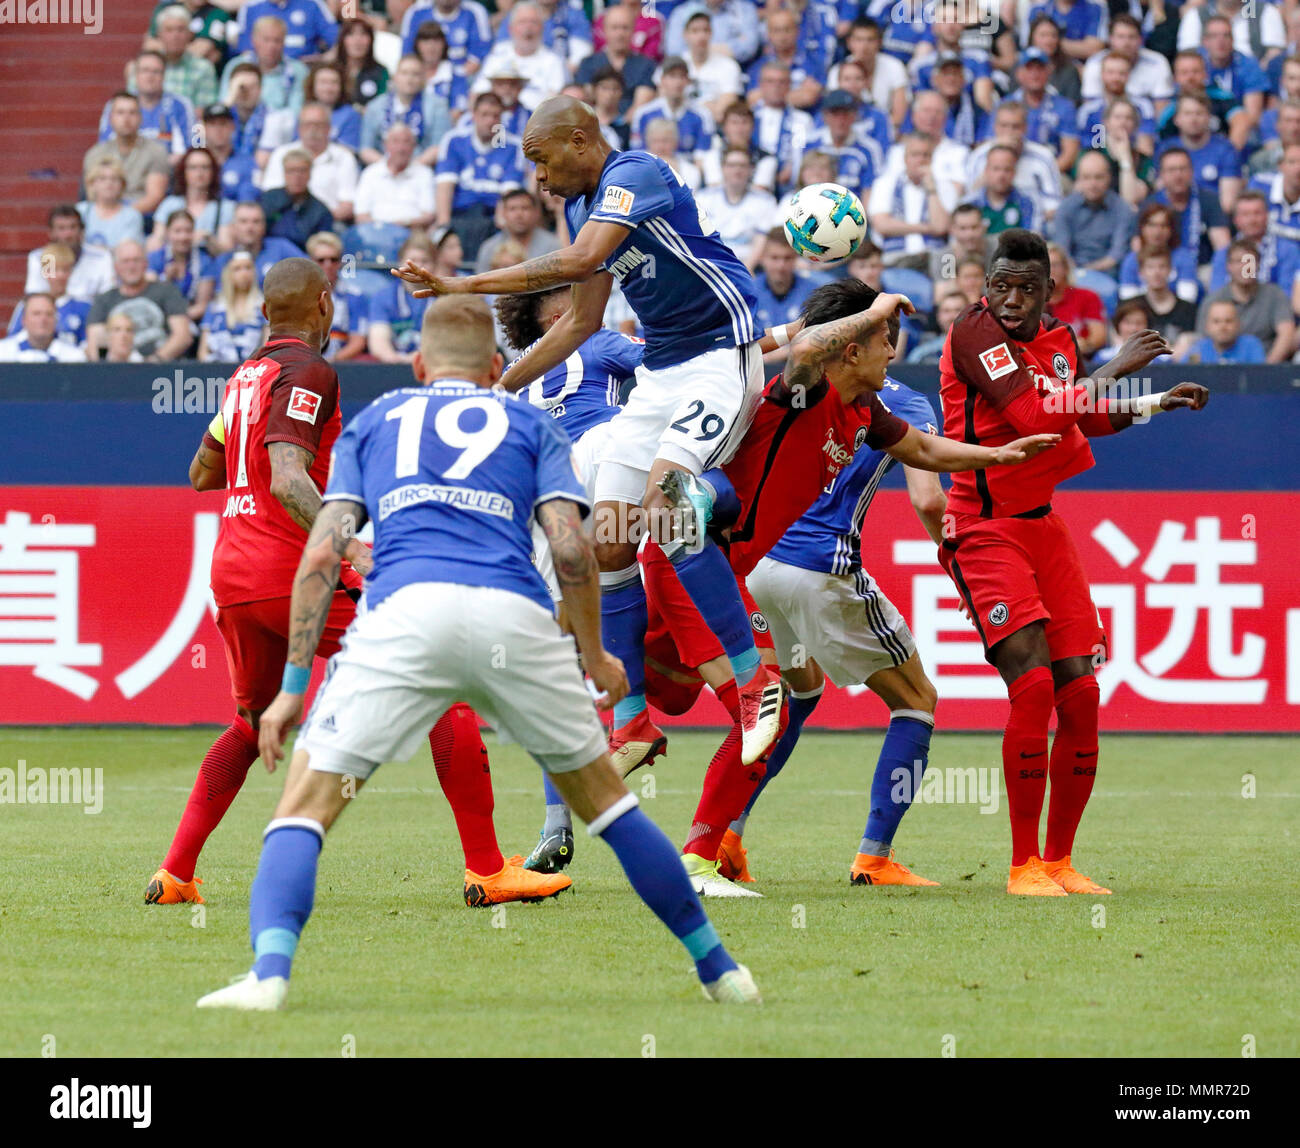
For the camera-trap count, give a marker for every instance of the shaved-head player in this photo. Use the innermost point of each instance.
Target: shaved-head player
(269, 448)
(632, 218)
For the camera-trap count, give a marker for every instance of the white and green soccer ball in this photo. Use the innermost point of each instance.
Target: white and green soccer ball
(824, 222)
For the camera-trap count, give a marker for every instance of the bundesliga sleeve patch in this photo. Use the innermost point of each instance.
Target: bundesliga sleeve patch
(617, 201)
(998, 361)
(304, 405)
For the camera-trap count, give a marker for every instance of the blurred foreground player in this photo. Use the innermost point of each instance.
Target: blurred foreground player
(452, 474)
(1008, 371)
(280, 418)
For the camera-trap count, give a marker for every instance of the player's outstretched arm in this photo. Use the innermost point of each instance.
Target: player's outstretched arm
(816, 346)
(333, 531)
(1124, 412)
(933, 452)
(292, 484)
(583, 319)
(595, 243)
(578, 575)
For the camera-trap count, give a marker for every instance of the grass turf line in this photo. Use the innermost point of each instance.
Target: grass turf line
(393, 963)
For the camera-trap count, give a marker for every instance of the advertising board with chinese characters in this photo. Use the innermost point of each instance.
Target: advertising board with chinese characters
(107, 616)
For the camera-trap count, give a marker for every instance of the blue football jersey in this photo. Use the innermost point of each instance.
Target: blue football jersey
(690, 291)
(450, 475)
(582, 391)
(828, 537)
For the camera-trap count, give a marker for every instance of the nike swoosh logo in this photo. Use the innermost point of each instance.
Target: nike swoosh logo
(1090, 753)
(1040, 753)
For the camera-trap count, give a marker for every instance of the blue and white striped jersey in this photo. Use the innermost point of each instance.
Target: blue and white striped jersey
(583, 391)
(828, 537)
(689, 290)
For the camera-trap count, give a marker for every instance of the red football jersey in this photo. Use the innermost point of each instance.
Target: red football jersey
(982, 372)
(797, 445)
(286, 393)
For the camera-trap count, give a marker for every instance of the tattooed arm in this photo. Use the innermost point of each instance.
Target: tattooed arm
(293, 486)
(333, 531)
(579, 579)
(208, 466)
(814, 347)
(595, 243)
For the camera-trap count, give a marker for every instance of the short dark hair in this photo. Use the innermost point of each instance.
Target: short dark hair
(967, 208)
(1126, 18)
(519, 316)
(488, 96)
(515, 193)
(1175, 150)
(701, 15)
(1018, 245)
(839, 300)
(864, 24)
(65, 211)
(1127, 306)
(125, 95)
(605, 75)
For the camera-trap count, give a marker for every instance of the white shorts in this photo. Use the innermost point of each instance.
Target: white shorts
(585, 452)
(693, 414)
(843, 621)
(431, 644)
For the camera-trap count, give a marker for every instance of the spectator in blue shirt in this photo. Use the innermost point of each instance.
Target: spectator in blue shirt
(1216, 164)
(249, 229)
(183, 262)
(465, 23)
(565, 30)
(859, 160)
(478, 163)
(310, 26)
(1223, 341)
(1202, 226)
(325, 86)
(1083, 24)
(292, 212)
(694, 124)
(1279, 258)
(246, 108)
(441, 76)
(780, 288)
(1157, 227)
(407, 101)
(1227, 116)
(282, 76)
(163, 116)
(967, 123)
(1232, 71)
(1051, 118)
(946, 36)
(234, 327)
(238, 180)
(807, 65)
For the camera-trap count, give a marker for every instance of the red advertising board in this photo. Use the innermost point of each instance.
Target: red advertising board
(105, 614)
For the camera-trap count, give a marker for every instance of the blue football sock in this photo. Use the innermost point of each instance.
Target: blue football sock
(623, 619)
(283, 891)
(726, 502)
(801, 706)
(656, 873)
(557, 813)
(709, 580)
(899, 769)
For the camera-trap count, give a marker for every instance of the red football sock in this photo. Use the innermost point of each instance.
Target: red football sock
(461, 761)
(1024, 758)
(1074, 763)
(728, 786)
(221, 775)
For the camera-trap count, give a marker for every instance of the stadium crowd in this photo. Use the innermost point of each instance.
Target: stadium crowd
(1155, 144)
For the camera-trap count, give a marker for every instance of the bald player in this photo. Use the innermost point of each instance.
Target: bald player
(453, 474)
(698, 385)
(269, 448)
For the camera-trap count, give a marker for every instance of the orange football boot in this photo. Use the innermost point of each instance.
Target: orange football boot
(1070, 879)
(164, 889)
(871, 870)
(734, 858)
(513, 883)
(1031, 880)
(636, 743)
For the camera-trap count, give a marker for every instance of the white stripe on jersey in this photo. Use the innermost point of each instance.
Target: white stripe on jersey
(742, 323)
(843, 561)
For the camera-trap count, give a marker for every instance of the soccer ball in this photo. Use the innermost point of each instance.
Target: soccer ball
(824, 222)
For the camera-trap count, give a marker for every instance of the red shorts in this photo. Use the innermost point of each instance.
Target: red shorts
(1011, 572)
(677, 640)
(257, 644)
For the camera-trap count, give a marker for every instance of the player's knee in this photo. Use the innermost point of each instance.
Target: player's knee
(924, 696)
(1078, 704)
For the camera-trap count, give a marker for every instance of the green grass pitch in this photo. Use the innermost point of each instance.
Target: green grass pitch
(1195, 953)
